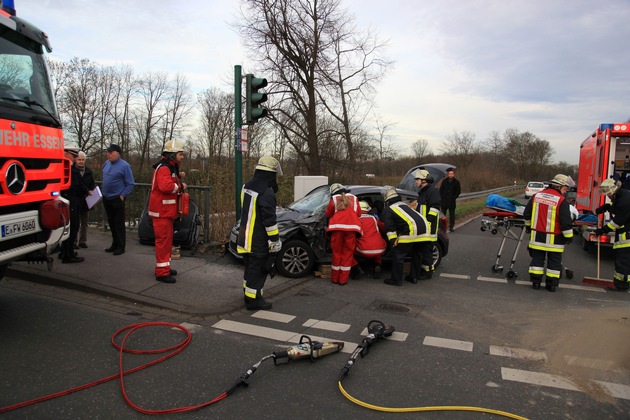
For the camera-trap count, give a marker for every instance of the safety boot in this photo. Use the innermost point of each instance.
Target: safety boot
(411, 279)
(377, 271)
(425, 275)
(166, 279)
(257, 304)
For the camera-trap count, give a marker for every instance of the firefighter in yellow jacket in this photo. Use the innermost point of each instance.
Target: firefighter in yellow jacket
(258, 234)
(550, 226)
(619, 223)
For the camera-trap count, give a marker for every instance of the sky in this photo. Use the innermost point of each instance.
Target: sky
(555, 68)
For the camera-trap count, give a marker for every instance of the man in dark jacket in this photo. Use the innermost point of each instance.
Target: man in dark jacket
(619, 223)
(75, 195)
(449, 191)
(258, 236)
(88, 185)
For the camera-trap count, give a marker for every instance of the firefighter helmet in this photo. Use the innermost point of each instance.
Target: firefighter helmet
(561, 180)
(173, 146)
(391, 193)
(337, 188)
(610, 186)
(421, 174)
(270, 164)
(365, 206)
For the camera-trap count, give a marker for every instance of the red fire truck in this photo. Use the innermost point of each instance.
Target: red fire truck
(34, 218)
(604, 154)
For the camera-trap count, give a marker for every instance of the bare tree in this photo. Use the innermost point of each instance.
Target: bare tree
(217, 110)
(125, 89)
(178, 106)
(316, 68)
(420, 148)
(153, 88)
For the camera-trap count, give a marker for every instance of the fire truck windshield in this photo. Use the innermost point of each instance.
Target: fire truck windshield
(24, 82)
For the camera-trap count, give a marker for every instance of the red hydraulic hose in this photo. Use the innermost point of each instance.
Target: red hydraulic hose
(172, 351)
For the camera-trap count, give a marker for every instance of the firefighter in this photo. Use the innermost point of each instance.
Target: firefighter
(550, 226)
(258, 236)
(406, 230)
(370, 245)
(166, 188)
(428, 205)
(343, 228)
(619, 223)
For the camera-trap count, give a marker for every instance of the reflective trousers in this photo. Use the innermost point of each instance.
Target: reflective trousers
(343, 244)
(163, 228)
(537, 267)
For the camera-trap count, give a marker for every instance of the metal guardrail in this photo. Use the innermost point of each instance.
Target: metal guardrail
(139, 199)
(477, 194)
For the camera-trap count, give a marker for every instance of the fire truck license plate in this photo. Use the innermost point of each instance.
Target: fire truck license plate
(15, 229)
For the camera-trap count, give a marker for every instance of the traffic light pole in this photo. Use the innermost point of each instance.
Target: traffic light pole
(238, 158)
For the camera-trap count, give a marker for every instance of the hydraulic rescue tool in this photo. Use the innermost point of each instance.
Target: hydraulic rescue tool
(305, 348)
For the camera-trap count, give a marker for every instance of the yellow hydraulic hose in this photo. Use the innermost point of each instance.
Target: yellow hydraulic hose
(428, 408)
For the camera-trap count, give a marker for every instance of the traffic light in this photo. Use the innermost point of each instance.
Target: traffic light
(253, 110)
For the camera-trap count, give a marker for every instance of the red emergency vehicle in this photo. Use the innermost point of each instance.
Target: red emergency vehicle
(604, 154)
(34, 218)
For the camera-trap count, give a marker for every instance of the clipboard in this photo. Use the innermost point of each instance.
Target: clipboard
(95, 198)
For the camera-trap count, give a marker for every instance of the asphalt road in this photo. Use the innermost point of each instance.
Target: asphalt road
(468, 337)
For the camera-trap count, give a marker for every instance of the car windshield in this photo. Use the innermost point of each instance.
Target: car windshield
(314, 202)
(536, 185)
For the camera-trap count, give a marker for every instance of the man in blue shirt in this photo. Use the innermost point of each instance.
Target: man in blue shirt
(117, 185)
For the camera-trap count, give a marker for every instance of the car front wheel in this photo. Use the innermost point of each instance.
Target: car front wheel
(295, 259)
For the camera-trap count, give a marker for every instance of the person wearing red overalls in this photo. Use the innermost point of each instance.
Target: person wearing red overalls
(370, 245)
(166, 187)
(343, 227)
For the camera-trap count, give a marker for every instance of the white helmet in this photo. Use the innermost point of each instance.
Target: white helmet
(390, 193)
(270, 164)
(337, 188)
(364, 206)
(421, 174)
(610, 186)
(562, 181)
(173, 146)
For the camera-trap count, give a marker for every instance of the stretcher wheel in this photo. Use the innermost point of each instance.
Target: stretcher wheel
(494, 231)
(497, 268)
(512, 274)
(569, 273)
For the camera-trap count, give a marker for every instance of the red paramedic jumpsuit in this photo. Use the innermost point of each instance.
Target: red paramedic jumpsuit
(343, 227)
(371, 243)
(163, 209)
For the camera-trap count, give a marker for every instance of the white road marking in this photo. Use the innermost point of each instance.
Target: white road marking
(274, 334)
(587, 288)
(396, 336)
(448, 343)
(455, 276)
(518, 353)
(492, 279)
(523, 283)
(193, 328)
(555, 381)
(589, 363)
(326, 325)
(616, 390)
(537, 378)
(273, 316)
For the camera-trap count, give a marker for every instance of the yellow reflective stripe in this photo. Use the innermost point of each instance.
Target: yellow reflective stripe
(410, 222)
(392, 235)
(272, 230)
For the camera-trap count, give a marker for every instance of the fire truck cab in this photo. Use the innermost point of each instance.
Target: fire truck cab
(604, 154)
(34, 218)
